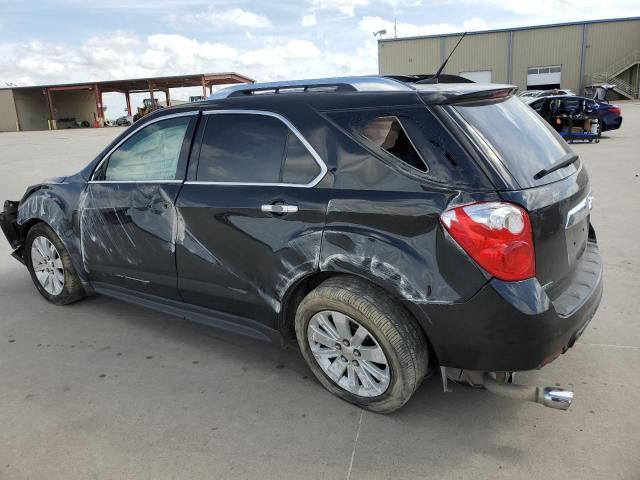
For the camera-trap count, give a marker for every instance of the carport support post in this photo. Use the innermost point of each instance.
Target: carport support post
(151, 94)
(128, 98)
(96, 94)
(204, 87)
(167, 98)
(52, 120)
(101, 105)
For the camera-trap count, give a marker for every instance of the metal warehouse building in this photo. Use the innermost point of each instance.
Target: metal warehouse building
(569, 55)
(60, 106)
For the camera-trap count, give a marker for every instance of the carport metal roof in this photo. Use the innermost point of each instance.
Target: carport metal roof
(159, 83)
(136, 85)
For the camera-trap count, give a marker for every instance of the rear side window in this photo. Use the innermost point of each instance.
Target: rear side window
(388, 134)
(253, 148)
(414, 141)
(523, 141)
(299, 165)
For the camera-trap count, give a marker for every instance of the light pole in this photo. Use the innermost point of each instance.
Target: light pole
(379, 33)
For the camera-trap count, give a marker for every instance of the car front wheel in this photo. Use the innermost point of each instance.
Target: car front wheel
(50, 266)
(361, 344)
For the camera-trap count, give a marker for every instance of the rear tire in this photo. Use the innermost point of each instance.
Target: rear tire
(50, 266)
(393, 356)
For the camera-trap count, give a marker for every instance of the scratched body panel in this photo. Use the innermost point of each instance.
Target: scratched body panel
(128, 235)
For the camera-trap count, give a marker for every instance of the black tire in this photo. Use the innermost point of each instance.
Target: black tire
(72, 290)
(394, 329)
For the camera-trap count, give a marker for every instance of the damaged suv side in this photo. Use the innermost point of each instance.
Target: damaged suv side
(388, 226)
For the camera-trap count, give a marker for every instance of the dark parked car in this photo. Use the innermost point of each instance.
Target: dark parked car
(124, 121)
(388, 227)
(610, 115)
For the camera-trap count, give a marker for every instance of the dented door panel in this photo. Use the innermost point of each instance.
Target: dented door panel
(128, 235)
(236, 258)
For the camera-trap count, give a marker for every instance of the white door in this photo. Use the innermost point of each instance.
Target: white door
(549, 75)
(479, 76)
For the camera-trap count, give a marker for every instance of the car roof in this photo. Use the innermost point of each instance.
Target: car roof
(360, 85)
(329, 94)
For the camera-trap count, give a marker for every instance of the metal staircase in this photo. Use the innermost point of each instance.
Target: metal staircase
(610, 75)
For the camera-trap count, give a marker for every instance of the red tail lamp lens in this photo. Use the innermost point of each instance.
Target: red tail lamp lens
(496, 235)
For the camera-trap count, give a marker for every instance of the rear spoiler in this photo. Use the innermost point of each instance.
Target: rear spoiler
(467, 95)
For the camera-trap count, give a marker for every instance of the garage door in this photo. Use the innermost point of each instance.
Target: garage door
(479, 76)
(549, 75)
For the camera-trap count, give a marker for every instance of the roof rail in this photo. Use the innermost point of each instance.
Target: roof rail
(351, 84)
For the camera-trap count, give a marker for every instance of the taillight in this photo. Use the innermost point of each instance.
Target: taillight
(615, 110)
(496, 235)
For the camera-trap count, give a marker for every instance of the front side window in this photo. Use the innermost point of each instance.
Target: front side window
(151, 154)
(253, 148)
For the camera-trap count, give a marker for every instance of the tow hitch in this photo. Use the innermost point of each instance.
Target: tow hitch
(501, 384)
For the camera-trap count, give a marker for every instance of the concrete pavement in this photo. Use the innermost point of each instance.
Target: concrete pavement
(103, 390)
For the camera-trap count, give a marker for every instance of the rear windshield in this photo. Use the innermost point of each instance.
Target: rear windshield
(523, 141)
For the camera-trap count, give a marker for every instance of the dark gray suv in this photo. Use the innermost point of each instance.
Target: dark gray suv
(387, 225)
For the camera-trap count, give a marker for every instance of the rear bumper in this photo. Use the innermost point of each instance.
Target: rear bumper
(515, 326)
(612, 123)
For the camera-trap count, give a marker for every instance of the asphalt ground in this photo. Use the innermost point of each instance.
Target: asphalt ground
(106, 390)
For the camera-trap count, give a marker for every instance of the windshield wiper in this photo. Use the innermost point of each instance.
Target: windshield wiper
(565, 161)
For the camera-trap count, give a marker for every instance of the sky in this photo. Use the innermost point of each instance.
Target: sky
(63, 41)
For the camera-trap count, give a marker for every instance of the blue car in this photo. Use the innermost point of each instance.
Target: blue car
(610, 115)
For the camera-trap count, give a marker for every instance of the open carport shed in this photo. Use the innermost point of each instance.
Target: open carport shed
(45, 107)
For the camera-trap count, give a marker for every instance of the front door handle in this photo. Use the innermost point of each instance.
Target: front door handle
(279, 208)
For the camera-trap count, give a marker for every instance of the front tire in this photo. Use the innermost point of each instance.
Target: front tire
(50, 266)
(361, 344)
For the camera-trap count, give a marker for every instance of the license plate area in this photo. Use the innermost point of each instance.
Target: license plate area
(576, 240)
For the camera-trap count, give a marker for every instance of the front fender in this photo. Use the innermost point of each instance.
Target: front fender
(55, 205)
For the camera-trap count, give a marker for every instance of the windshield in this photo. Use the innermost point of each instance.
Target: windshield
(523, 141)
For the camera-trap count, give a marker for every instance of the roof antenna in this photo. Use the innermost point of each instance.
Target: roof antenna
(434, 79)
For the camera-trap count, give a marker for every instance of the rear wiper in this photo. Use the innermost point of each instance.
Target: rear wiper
(565, 161)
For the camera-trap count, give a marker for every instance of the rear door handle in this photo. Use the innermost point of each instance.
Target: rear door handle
(279, 208)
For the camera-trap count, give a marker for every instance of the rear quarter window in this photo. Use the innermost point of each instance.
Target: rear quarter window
(414, 141)
(523, 141)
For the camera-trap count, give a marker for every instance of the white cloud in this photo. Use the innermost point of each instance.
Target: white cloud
(31, 63)
(375, 24)
(347, 7)
(217, 20)
(309, 20)
(567, 10)
(281, 54)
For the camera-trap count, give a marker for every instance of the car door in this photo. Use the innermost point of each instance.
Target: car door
(251, 214)
(128, 215)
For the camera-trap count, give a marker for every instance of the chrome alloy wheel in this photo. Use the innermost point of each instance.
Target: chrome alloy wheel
(348, 354)
(47, 264)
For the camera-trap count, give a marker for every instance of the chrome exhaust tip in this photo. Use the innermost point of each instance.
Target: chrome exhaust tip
(558, 398)
(552, 397)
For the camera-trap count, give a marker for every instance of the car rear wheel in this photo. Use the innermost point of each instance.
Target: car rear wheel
(50, 266)
(361, 344)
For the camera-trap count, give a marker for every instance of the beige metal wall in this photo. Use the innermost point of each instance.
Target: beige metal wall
(609, 42)
(605, 44)
(8, 116)
(409, 57)
(548, 46)
(31, 106)
(481, 52)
